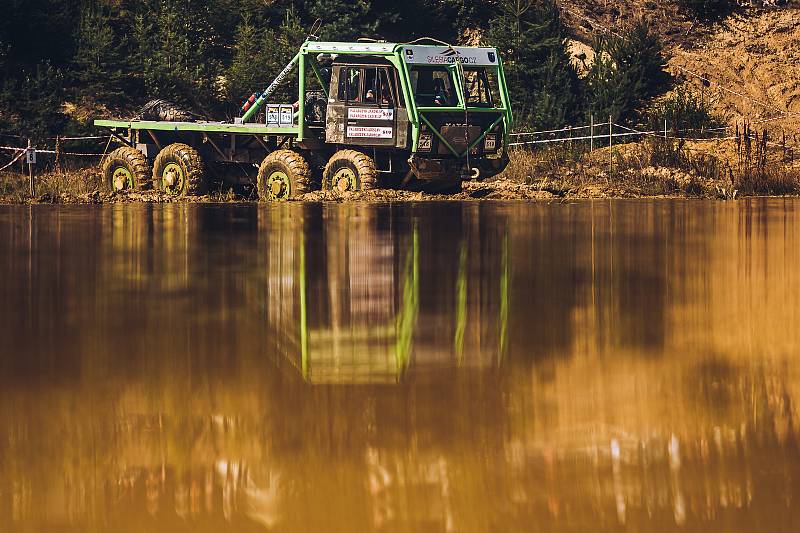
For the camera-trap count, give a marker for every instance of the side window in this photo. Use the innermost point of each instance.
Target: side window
(385, 88)
(342, 91)
(370, 86)
(353, 84)
(349, 84)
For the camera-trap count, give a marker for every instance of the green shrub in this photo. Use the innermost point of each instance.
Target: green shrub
(683, 110)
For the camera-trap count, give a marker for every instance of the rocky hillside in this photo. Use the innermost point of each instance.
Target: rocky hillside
(747, 64)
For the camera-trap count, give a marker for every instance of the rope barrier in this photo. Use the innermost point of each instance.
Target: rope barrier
(19, 156)
(568, 128)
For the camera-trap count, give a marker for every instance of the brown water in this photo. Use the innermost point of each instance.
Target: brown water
(597, 366)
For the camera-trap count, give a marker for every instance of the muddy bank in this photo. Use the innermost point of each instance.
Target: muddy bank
(674, 183)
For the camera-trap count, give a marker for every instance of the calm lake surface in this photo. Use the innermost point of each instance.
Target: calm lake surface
(595, 366)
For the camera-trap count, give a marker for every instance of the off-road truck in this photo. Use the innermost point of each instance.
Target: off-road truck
(366, 114)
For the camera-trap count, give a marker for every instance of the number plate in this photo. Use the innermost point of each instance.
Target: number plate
(425, 143)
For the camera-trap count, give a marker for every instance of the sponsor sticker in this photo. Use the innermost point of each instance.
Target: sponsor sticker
(287, 115)
(364, 132)
(360, 113)
(425, 143)
(273, 115)
(432, 55)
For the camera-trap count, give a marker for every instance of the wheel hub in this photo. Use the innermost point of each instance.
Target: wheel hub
(172, 178)
(278, 185)
(344, 180)
(169, 179)
(121, 179)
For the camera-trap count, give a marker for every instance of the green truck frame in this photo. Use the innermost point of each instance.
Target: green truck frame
(363, 110)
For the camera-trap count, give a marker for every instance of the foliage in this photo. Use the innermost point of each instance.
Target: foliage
(107, 56)
(710, 9)
(98, 62)
(683, 110)
(628, 70)
(260, 56)
(531, 40)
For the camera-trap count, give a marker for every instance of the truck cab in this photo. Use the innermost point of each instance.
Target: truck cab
(366, 106)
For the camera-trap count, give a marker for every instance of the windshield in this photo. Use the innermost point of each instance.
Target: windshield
(433, 86)
(481, 87)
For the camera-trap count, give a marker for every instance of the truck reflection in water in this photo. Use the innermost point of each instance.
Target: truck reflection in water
(598, 366)
(344, 308)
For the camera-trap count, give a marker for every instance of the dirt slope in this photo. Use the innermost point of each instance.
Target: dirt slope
(755, 53)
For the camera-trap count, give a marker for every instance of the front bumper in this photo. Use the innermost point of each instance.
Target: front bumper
(432, 168)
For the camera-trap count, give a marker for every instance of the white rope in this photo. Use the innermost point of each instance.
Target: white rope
(95, 138)
(568, 128)
(19, 156)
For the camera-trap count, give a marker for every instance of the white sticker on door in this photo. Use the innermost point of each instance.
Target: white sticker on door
(361, 113)
(370, 133)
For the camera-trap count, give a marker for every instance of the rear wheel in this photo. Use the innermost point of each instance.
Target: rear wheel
(283, 174)
(349, 170)
(126, 168)
(179, 171)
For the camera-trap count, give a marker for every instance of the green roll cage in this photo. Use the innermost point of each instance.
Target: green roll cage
(418, 115)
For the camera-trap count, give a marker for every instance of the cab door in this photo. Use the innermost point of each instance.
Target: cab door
(362, 110)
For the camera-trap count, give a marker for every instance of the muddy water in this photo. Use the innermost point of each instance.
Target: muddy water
(598, 366)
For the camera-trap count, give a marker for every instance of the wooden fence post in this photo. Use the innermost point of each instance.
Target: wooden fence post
(58, 154)
(31, 185)
(610, 147)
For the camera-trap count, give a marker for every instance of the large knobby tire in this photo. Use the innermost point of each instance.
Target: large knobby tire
(126, 168)
(179, 171)
(163, 110)
(284, 174)
(350, 170)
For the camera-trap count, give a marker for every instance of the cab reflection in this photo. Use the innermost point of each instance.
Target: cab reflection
(344, 299)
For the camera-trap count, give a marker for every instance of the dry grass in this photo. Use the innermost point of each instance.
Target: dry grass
(751, 165)
(14, 187)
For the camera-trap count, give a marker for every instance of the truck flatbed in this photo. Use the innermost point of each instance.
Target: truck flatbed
(202, 127)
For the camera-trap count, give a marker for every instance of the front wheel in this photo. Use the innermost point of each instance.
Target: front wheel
(350, 170)
(284, 174)
(179, 171)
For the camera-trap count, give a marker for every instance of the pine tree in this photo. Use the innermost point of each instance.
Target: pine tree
(98, 64)
(628, 70)
(260, 55)
(342, 20)
(543, 83)
(178, 53)
(242, 79)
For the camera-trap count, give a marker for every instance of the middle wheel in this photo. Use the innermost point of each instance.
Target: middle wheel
(349, 170)
(282, 175)
(179, 170)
